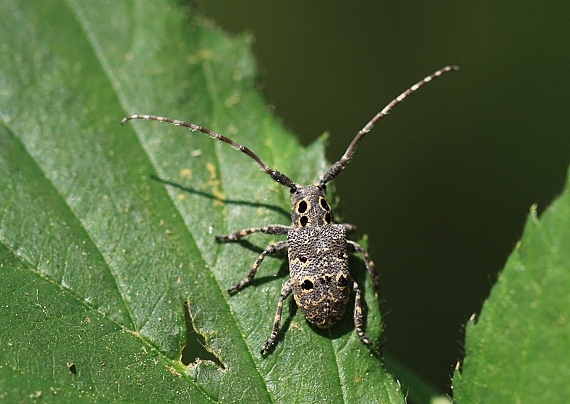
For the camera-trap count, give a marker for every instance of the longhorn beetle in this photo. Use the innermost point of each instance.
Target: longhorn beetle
(317, 248)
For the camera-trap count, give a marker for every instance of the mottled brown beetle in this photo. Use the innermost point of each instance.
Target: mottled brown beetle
(317, 248)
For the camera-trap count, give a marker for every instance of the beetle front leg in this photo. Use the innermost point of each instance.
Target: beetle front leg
(350, 228)
(271, 229)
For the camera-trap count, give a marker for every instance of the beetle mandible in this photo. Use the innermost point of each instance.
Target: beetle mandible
(317, 248)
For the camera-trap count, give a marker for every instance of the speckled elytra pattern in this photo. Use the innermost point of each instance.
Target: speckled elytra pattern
(317, 248)
(318, 264)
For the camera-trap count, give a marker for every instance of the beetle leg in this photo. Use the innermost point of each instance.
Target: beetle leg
(285, 292)
(355, 247)
(271, 229)
(272, 249)
(358, 315)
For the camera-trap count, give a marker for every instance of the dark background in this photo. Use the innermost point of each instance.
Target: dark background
(442, 185)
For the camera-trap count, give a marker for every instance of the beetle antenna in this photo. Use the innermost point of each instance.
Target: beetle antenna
(276, 175)
(337, 167)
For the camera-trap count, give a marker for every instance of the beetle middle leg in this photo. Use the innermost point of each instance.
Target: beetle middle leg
(355, 247)
(272, 249)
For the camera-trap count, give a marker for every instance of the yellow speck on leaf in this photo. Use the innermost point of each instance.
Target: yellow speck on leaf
(214, 184)
(212, 169)
(186, 173)
(233, 99)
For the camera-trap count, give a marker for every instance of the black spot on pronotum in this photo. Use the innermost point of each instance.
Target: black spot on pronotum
(304, 220)
(328, 218)
(307, 285)
(325, 204)
(302, 207)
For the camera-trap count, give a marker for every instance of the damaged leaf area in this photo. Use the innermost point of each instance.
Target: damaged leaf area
(195, 349)
(107, 231)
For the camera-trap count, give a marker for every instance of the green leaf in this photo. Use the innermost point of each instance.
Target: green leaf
(519, 349)
(105, 231)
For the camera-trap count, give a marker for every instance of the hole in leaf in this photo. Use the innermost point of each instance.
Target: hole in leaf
(195, 347)
(72, 368)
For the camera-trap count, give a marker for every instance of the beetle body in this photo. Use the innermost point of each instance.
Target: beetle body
(317, 248)
(318, 265)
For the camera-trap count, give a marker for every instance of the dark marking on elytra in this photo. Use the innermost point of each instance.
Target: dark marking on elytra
(307, 285)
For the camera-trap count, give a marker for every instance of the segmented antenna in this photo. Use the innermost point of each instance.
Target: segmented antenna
(337, 167)
(276, 175)
(281, 178)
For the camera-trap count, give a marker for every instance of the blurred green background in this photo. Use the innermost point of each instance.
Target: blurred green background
(442, 186)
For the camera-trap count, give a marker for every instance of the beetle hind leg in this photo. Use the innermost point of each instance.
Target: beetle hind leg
(285, 292)
(358, 315)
